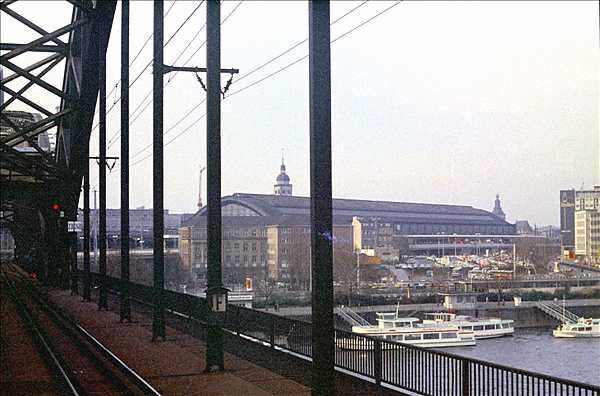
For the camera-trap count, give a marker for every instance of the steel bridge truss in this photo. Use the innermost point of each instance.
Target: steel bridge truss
(38, 177)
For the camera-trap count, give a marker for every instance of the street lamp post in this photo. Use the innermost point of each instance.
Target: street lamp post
(443, 244)
(454, 245)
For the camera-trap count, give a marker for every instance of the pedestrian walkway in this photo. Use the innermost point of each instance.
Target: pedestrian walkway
(175, 366)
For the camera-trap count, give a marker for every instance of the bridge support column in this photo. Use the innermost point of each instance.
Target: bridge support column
(158, 317)
(323, 374)
(214, 345)
(125, 311)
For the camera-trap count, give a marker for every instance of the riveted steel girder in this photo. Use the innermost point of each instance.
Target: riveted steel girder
(25, 156)
(35, 173)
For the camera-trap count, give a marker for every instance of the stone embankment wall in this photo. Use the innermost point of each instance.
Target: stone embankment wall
(526, 315)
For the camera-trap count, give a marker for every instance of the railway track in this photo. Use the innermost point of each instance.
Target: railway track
(78, 364)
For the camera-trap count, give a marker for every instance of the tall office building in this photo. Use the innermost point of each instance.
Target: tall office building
(578, 218)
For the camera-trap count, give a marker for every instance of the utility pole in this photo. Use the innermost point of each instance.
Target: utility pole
(125, 308)
(214, 344)
(95, 232)
(103, 293)
(158, 313)
(202, 169)
(321, 212)
(215, 292)
(87, 285)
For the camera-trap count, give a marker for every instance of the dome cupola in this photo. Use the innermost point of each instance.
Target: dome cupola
(282, 182)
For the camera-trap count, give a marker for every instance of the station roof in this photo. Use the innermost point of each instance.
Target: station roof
(276, 206)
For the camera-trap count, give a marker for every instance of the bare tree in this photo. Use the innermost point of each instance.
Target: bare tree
(401, 243)
(345, 266)
(266, 284)
(142, 271)
(299, 261)
(174, 270)
(539, 251)
(500, 282)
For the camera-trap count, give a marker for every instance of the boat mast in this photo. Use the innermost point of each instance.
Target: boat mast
(564, 317)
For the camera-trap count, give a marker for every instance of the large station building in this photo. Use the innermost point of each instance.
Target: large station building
(269, 235)
(580, 224)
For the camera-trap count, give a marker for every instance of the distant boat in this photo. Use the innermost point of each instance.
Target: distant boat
(391, 327)
(482, 327)
(583, 328)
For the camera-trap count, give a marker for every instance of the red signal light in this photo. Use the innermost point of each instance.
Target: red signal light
(55, 207)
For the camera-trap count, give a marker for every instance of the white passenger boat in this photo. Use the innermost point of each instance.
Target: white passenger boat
(390, 327)
(584, 328)
(482, 327)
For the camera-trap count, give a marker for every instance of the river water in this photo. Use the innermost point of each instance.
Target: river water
(537, 350)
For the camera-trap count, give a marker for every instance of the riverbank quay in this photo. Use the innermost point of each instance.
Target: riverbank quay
(525, 315)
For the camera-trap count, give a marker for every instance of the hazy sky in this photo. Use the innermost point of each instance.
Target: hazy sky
(436, 102)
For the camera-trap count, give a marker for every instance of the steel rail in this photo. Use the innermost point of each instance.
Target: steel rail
(96, 345)
(48, 351)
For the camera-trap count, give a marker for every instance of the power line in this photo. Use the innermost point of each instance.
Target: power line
(297, 45)
(306, 56)
(132, 62)
(293, 63)
(270, 75)
(111, 140)
(367, 21)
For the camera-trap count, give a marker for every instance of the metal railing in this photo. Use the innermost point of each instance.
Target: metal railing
(558, 312)
(401, 366)
(428, 372)
(351, 317)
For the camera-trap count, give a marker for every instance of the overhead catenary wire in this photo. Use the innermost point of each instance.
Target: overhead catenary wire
(145, 104)
(167, 82)
(268, 76)
(297, 45)
(285, 52)
(111, 141)
(131, 64)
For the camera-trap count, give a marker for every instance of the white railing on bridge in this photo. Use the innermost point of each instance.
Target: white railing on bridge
(558, 312)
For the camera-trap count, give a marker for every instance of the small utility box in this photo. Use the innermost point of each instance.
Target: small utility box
(218, 298)
(517, 301)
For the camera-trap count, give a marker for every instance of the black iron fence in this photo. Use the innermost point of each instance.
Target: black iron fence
(431, 372)
(405, 367)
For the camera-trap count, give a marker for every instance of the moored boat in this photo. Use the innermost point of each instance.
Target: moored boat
(583, 328)
(391, 327)
(482, 327)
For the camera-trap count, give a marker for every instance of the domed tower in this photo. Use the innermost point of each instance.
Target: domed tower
(497, 209)
(282, 183)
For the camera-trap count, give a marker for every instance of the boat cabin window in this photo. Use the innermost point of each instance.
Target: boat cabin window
(490, 327)
(467, 328)
(588, 328)
(479, 327)
(412, 337)
(431, 336)
(449, 335)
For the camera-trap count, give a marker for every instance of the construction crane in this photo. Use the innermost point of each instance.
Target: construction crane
(202, 169)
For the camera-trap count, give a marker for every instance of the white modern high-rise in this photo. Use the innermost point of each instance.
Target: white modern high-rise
(580, 224)
(587, 235)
